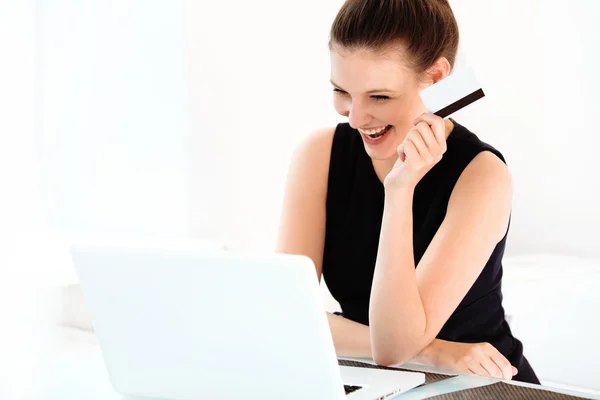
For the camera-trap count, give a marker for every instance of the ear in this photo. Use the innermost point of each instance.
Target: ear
(439, 70)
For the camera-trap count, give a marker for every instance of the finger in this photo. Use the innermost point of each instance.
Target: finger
(428, 138)
(515, 371)
(410, 151)
(416, 137)
(437, 126)
(492, 368)
(502, 363)
(401, 153)
(477, 369)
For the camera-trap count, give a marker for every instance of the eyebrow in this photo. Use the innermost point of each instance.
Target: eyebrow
(369, 92)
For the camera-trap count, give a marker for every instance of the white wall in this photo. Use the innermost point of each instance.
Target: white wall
(538, 62)
(260, 82)
(17, 204)
(112, 124)
(112, 116)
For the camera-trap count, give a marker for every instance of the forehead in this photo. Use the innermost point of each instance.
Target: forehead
(363, 70)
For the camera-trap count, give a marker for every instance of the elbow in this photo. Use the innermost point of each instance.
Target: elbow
(387, 360)
(388, 355)
(394, 345)
(390, 359)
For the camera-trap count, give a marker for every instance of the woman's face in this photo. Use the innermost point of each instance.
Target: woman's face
(379, 95)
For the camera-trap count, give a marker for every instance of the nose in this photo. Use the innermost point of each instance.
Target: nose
(358, 116)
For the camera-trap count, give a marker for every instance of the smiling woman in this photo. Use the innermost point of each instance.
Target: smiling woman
(404, 214)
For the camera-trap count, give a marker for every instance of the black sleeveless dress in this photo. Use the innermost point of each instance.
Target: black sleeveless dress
(355, 200)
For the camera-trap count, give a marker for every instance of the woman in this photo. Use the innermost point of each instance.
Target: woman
(405, 214)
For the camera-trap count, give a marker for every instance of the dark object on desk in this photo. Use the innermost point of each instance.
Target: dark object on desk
(501, 390)
(349, 389)
(429, 377)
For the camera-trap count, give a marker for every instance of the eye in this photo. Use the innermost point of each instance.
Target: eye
(340, 92)
(380, 98)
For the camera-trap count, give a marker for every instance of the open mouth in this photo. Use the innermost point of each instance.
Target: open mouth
(375, 134)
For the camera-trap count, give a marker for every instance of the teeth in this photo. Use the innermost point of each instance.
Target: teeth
(372, 131)
(374, 134)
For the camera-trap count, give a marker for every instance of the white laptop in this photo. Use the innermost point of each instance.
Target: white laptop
(190, 323)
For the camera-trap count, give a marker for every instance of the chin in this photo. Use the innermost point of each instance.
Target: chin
(381, 155)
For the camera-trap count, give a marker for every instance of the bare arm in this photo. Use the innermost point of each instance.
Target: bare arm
(476, 220)
(302, 222)
(352, 339)
(302, 228)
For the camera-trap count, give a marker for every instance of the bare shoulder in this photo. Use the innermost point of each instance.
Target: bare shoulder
(302, 224)
(484, 190)
(486, 171)
(316, 147)
(311, 157)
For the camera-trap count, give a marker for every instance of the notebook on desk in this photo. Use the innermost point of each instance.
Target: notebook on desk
(206, 323)
(430, 377)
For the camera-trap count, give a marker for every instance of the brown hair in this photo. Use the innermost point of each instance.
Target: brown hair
(427, 29)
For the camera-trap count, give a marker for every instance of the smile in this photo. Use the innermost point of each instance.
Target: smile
(375, 133)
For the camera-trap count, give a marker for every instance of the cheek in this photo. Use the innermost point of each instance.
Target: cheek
(392, 114)
(402, 113)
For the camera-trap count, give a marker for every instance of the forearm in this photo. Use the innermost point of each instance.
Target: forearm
(396, 314)
(352, 339)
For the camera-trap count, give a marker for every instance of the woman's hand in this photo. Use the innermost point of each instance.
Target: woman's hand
(476, 358)
(423, 147)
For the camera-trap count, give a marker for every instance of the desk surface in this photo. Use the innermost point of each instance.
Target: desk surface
(465, 381)
(71, 367)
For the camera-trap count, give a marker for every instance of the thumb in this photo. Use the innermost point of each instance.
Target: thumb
(514, 371)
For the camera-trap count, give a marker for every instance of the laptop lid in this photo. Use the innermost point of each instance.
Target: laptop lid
(189, 323)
